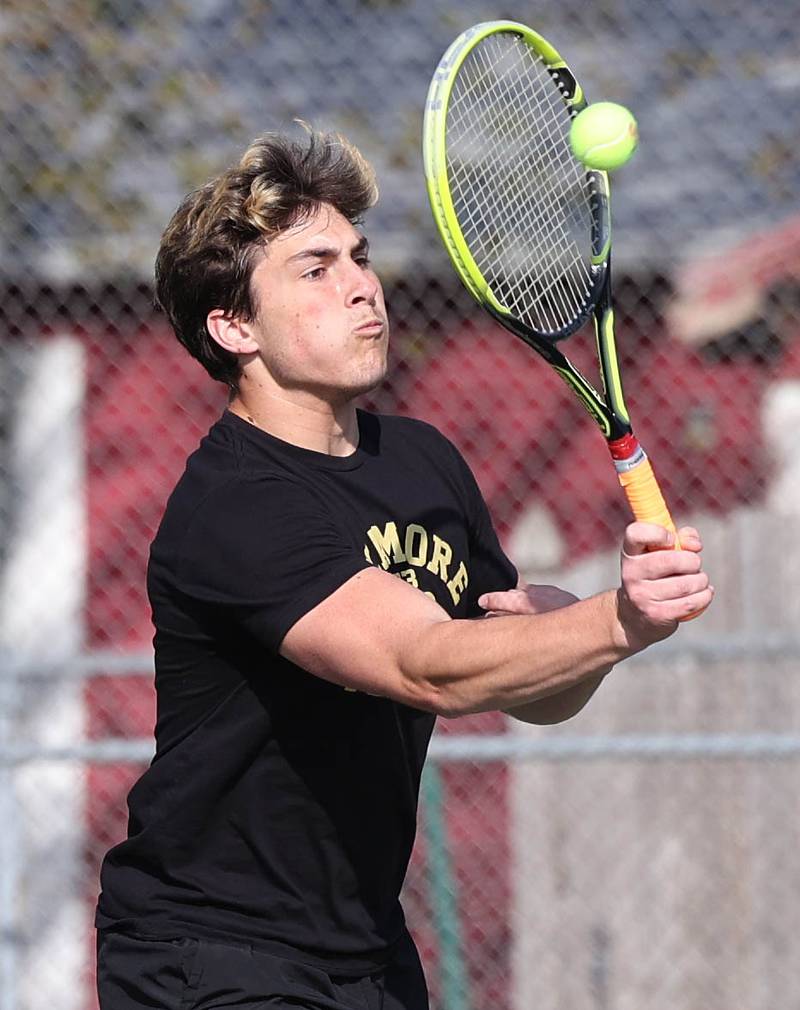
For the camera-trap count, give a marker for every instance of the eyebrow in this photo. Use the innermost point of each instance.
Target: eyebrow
(328, 251)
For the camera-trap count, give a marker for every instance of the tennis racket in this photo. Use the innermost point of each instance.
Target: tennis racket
(527, 226)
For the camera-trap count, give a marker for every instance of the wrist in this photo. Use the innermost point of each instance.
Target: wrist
(625, 635)
(634, 631)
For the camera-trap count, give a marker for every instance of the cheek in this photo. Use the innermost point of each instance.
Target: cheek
(309, 322)
(312, 341)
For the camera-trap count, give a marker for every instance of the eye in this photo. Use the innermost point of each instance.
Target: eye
(363, 260)
(314, 274)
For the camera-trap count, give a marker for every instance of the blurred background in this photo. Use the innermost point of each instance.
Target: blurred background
(643, 854)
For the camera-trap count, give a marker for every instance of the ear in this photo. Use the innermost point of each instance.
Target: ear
(231, 333)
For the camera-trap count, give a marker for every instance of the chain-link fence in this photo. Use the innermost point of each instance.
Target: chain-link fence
(644, 854)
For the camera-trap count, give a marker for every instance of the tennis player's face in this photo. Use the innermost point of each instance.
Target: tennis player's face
(321, 322)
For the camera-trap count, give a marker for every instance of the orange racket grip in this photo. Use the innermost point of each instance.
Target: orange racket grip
(645, 497)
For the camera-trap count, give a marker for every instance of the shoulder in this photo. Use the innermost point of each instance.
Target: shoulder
(236, 468)
(419, 447)
(247, 499)
(397, 428)
(221, 545)
(226, 511)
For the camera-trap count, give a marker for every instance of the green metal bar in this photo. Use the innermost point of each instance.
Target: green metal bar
(444, 901)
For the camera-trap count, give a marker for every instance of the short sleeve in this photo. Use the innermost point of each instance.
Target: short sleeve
(265, 552)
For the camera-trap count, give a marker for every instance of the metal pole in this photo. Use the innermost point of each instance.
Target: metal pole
(9, 854)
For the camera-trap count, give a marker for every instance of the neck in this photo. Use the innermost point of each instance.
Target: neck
(302, 421)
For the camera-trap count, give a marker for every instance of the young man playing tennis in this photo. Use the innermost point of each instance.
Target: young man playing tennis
(315, 586)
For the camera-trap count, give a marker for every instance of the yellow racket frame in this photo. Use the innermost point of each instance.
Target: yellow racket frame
(634, 470)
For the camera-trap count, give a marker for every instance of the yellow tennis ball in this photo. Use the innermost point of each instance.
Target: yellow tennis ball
(604, 135)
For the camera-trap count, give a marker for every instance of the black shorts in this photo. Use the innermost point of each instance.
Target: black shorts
(190, 974)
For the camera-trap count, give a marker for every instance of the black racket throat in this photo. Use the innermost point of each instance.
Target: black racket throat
(613, 424)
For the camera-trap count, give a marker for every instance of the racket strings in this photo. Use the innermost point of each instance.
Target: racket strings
(522, 201)
(558, 258)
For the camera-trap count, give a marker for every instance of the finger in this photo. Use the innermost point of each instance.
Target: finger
(687, 606)
(510, 601)
(530, 600)
(660, 564)
(677, 587)
(689, 539)
(695, 605)
(640, 538)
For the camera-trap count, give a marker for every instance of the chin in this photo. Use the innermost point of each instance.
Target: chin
(346, 391)
(374, 377)
(361, 388)
(363, 379)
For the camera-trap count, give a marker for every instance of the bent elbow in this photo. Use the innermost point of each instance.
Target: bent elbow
(453, 704)
(439, 700)
(424, 696)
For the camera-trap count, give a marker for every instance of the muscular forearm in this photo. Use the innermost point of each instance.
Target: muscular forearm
(508, 662)
(558, 707)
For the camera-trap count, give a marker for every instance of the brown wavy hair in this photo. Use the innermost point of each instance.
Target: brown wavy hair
(207, 252)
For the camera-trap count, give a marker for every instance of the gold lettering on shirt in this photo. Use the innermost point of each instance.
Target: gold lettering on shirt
(410, 576)
(441, 557)
(419, 549)
(458, 583)
(416, 554)
(387, 544)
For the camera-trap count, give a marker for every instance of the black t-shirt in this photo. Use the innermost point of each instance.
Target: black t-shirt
(280, 809)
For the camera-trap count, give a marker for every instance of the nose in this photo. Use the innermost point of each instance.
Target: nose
(364, 286)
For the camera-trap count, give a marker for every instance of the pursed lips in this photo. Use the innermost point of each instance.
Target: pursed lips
(374, 325)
